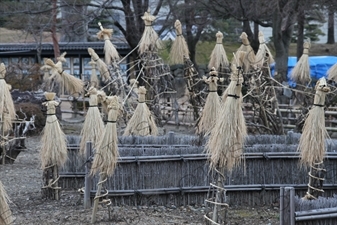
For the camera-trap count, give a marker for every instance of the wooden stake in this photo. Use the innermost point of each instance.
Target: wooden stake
(55, 179)
(87, 180)
(102, 179)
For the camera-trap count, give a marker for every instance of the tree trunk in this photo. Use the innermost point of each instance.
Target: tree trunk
(254, 43)
(53, 31)
(331, 27)
(300, 33)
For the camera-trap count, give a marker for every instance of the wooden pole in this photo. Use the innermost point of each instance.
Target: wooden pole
(2, 141)
(55, 179)
(282, 206)
(87, 179)
(217, 199)
(102, 179)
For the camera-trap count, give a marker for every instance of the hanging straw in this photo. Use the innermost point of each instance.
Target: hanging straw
(218, 58)
(7, 109)
(263, 53)
(5, 212)
(93, 124)
(150, 40)
(72, 84)
(301, 72)
(102, 67)
(93, 77)
(247, 59)
(53, 150)
(314, 134)
(225, 145)
(111, 54)
(212, 106)
(179, 47)
(142, 122)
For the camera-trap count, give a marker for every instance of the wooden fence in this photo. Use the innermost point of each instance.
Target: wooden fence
(173, 169)
(297, 211)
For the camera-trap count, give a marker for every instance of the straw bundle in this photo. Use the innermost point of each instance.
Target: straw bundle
(93, 77)
(301, 72)
(312, 141)
(111, 54)
(106, 155)
(7, 109)
(53, 141)
(142, 122)
(212, 106)
(93, 124)
(248, 58)
(218, 58)
(228, 135)
(150, 40)
(102, 67)
(332, 72)
(5, 212)
(263, 53)
(46, 74)
(71, 84)
(179, 47)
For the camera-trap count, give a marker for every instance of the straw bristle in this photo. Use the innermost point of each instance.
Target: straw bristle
(301, 72)
(72, 84)
(5, 212)
(106, 156)
(101, 66)
(332, 72)
(249, 58)
(263, 52)
(218, 58)
(93, 77)
(150, 40)
(179, 47)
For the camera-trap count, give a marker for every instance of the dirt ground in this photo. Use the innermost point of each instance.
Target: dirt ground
(23, 182)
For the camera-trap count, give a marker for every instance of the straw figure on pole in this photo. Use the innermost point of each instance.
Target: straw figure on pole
(93, 124)
(46, 76)
(263, 53)
(7, 109)
(212, 106)
(72, 84)
(225, 144)
(218, 58)
(179, 48)
(248, 59)
(106, 156)
(301, 72)
(93, 76)
(142, 122)
(312, 142)
(5, 212)
(102, 67)
(53, 150)
(111, 54)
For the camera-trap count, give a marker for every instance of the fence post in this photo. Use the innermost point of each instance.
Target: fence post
(87, 179)
(292, 205)
(170, 137)
(282, 206)
(288, 206)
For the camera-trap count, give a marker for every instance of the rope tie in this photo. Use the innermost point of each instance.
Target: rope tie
(93, 106)
(111, 121)
(319, 105)
(233, 96)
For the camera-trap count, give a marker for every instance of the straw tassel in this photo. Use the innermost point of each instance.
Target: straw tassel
(102, 67)
(301, 72)
(93, 125)
(225, 145)
(150, 40)
(248, 58)
(212, 106)
(179, 47)
(5, 212)
(111, 54)
(71, 84)
(7, 109)
(263, 53)
(314, 134)
(93, 77)
(53, 149)
(218, 58)
(142, 122)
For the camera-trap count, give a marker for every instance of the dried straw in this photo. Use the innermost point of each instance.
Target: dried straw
(332, 72)
(46, 74)
(93, 124)
(111, 54)
(179, 47)
(301, 72)
(218, 58)
(53, 149)
(212, 106)
(312, 141)
(142, 122)
(71, 84)
(93, 77)
(247, 59)
(7, 109)
(263, 53)
(150, 40)
(106, 155)
(102, 67)
(225, 145)
(5, 212)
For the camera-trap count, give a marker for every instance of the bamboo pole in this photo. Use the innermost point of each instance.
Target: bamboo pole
(102, 179)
